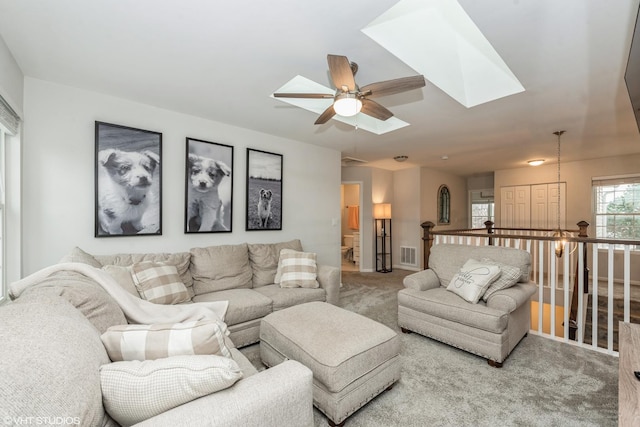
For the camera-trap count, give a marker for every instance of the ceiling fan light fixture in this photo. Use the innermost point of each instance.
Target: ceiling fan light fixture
(347, 105)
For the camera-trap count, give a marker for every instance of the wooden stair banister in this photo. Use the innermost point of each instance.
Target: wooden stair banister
(573, 312)
(427, 239)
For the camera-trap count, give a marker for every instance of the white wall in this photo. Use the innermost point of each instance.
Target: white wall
(406, 214)
(58, 179)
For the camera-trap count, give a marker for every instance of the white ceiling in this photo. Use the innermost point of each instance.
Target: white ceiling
(222, 60)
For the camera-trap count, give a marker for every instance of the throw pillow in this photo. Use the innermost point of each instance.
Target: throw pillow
(123, 276)
(146, 342)
(159, 283)
(509, 277)
(137, 390)
(297, 269)
(473, 279)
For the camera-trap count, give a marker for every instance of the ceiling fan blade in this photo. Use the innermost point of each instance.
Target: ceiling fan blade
(326, 115)
(389, 87)
(375, 110)
(303, 95)
(341, 72)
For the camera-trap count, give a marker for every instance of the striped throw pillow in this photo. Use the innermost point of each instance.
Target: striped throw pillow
(509, 277)
(134, 391)
(159, 283)
(148, 342)
(297, 269)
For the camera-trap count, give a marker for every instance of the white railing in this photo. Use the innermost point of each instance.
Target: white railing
(555, 308)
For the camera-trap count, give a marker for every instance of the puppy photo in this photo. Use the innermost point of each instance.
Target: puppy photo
(264, 207)
(264, 191)
(125, 179)
(208, 187)
(205, 209)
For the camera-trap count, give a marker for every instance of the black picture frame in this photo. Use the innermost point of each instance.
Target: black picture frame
(208, 206)
(128, 181)
(264, 190)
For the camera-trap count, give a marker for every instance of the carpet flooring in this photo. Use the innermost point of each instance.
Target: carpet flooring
(542, 383)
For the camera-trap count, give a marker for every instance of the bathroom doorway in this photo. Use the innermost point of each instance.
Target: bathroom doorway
(351, 219)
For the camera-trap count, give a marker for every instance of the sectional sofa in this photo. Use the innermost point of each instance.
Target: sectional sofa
(55, 357)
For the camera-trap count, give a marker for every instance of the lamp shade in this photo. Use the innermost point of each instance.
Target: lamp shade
(382, 211)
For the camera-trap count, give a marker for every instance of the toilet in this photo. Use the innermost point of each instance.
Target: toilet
(347, 248)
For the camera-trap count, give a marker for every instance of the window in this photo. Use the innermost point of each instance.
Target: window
(482, 208)
(617, 208)
(9, 130)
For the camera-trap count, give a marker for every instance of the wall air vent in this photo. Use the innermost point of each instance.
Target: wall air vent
(408, 256)
(352, 161)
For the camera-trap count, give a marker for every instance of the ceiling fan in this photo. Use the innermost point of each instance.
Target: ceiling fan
(350, 99)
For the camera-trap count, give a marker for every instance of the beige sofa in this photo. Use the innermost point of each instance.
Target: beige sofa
(242, 274)
(489, 329)
(52, 355)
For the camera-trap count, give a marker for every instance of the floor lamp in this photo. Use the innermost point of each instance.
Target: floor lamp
(382, 216)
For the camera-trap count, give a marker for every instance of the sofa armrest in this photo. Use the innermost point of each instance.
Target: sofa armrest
(507, 300)
(422, 280)
(329, 279)
(280, 396)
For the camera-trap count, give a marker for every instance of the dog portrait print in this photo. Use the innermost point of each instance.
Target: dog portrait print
(264, 190)
(128, 181)
(208, 187)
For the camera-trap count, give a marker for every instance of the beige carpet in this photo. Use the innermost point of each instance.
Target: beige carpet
(542, 383)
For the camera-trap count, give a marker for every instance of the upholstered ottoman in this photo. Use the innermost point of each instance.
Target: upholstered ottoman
(353, 358)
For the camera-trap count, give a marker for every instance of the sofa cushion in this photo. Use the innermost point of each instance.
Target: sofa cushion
(473, 279)
(181, 260)
(123, 276)
(136, 390)
(217, 268)
(78, 255)
(84, 294)
(264, 260)
(159, 283)
(443, 304)
(244, 304)
(148, 342)
(51, 356)
(287, 297)
(297, 269)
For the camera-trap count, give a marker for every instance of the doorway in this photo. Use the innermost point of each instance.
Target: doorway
(351, 218)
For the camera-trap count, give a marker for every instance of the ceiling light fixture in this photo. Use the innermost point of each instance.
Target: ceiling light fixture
(400, 158)
(536, 162)
(347, 104)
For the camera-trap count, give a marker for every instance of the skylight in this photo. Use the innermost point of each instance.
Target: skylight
(439, 40)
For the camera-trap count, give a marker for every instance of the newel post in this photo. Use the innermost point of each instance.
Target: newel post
(489, 225)
(427, 239)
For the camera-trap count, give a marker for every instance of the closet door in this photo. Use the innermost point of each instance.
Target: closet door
(515, 206)
(539, 206)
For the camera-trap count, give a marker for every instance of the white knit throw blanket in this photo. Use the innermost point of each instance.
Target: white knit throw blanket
(136, 310)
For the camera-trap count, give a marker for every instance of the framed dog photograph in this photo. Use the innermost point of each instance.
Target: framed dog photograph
(128, 180)
(208, 187)
(264, 190)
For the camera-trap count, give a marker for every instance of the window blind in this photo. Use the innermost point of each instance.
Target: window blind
(8, 118)
(615, 180)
